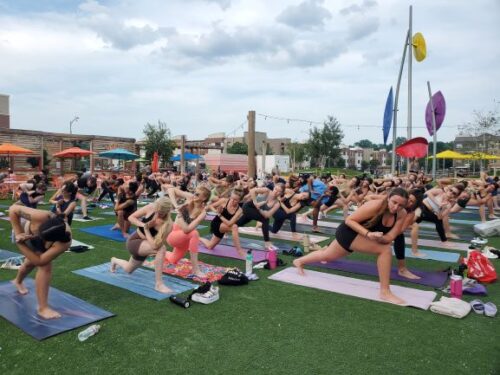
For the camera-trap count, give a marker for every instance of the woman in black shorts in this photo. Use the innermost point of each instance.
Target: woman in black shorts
(153, 224)
(229, 211)
(370, 229)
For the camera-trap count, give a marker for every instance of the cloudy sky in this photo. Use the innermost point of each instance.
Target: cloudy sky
(201, 65)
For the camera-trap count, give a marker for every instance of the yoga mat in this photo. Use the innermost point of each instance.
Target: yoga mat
(140, 281)
(307, 229)
(282, 235)
(226, 251)
(5, 254)
(249, 243)
(82, 220)
(22, 311)
(75, 243)
(434, 255)
(463, 246)
(353, 287)
(108, 213)
(184, 269)
(105, 231)
(339, 218)
(432, 279)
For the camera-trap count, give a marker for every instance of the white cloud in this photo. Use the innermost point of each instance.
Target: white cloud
(307, 15)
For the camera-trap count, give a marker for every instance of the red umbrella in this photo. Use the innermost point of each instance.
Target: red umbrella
(154, 165)
(73, 152)
(414, 148)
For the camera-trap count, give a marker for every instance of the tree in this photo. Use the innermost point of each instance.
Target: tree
(297, 152)
(238, 148)
(365, 143)
(365, 165)
(33, 161)
(323, 144)
(340, 162)
(482, 124)
(158, 139)
(374, 163)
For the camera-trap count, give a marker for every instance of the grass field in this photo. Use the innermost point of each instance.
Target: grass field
(266, 327)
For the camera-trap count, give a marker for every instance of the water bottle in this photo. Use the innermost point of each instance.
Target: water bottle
(248, 262)
(90, 331)
(272, 257)
(306, 243)
(183, 302)
(456, 286)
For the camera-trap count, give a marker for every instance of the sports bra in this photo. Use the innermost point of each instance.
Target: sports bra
(380, 227)
(145, 220)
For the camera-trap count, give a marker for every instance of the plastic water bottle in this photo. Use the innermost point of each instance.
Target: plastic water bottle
(306, 243)
(90, 331)
(248, 262)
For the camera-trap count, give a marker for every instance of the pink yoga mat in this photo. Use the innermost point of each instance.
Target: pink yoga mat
(353, 287)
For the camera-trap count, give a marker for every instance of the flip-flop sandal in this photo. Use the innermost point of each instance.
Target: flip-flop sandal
(477, 306)
(490, 309)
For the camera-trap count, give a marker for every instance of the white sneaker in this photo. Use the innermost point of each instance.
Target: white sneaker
(478, 241)
(488, 254)
(13, 263)
(206, 298)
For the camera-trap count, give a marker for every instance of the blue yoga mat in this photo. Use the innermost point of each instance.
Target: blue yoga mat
(105, 231)
(434, 255)
(141, 281)
(22, 311)
(5, 254)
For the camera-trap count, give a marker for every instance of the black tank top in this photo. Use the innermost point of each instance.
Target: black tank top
(287, 201)
(225, 212)
(379, 227)
(145, 220)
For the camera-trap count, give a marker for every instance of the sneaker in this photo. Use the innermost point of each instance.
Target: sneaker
(13, 263)
(490, 309)
(87, 218)
(252, 276)
(209, 297)
(479, 241)
(488, 254)
(477, 306)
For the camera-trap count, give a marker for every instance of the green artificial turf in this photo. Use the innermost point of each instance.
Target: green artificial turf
(266, 327)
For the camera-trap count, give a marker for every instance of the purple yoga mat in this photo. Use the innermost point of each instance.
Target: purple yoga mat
(226, 251)
(433, 279)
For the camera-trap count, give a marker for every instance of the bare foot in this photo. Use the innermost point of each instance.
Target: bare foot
(452, 236)
(162, 288)
(323, 262)
(300, 267)
(418, 254)
(405, 272)
(112, 267)
(391, 298)
(115, 227)
(48, 313)
(21, 289)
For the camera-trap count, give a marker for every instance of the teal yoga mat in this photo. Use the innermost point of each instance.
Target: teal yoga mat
(141, 281)
(434, 255)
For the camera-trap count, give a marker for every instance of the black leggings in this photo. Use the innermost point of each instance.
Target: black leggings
(399, 246)
(250, 212)
(428, 215)
(279, 218)
(106, 190)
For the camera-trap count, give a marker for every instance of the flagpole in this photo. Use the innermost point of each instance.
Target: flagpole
(410, 60)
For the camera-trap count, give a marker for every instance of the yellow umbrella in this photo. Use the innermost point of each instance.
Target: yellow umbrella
(483, 156)
(419, 47)
(449, 154)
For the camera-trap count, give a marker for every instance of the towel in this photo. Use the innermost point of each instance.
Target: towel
(454, 307)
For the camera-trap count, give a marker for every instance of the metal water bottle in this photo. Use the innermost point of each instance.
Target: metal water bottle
(248, 262)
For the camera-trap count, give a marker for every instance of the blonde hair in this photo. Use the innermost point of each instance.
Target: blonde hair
(163, 207)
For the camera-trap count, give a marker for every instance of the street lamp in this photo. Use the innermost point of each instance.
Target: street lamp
(71, 123)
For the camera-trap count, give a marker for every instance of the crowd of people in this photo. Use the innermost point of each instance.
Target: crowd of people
(375, 212)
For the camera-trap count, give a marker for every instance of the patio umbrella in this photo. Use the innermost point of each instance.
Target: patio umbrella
(10, 149)
(187, 156)
(119, 153)
(449, 154)
(73, 152)
(483, 156)
(154, 165)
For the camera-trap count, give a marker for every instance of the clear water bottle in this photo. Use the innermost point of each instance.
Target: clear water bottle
(249, 262)
(306, 243)
(90, 331)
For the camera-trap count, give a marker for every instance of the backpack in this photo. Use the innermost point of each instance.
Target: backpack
(480, 268)
(234, 277)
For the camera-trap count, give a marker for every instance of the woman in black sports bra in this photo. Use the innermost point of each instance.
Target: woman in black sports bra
(44, 237)
(153, 224)
(289, 206)
(370, 229)
(229, 211)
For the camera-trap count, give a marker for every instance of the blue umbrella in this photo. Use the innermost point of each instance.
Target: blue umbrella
(187, 156)
(119, 153)
(387, 116)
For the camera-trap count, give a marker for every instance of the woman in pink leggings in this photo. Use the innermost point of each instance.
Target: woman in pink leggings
(184, 237)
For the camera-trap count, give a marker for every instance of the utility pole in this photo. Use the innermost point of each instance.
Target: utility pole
(251, 144)
(183, 146)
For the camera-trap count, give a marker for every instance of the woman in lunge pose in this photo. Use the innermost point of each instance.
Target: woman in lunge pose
(43, 238)
(370, 229)
(153, 224)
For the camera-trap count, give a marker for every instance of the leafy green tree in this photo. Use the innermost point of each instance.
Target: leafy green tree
(323, 144)
(365, 143)
(365, 164)
(340, 162)
(158, 138)
(238, 148)
(297, 152)
(374, 163)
